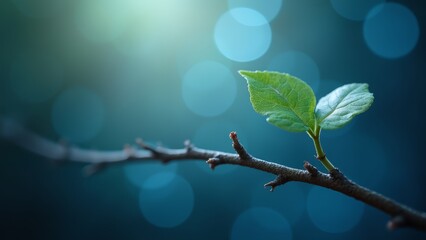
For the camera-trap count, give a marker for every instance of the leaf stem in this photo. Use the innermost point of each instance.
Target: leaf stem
(315, 136)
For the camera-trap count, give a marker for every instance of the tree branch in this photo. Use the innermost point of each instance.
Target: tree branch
(401, 215)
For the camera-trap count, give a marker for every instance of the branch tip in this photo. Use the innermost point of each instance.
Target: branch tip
(311, 169)
(396, 222)
(244, 155)
(233, 136)
(279, 180)
(269, 185)
(213, 162)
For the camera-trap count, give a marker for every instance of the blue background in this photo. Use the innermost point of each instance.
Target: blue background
(101, 73)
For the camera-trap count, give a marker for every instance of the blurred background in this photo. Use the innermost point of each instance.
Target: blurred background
(99, 73)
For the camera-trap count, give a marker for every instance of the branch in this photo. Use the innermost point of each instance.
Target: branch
(401, 215)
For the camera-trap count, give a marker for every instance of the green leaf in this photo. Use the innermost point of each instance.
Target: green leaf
(288, 102)
(341, 105)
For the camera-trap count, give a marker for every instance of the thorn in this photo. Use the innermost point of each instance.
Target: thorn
(396, 222)
(311, 169)
(279, 180)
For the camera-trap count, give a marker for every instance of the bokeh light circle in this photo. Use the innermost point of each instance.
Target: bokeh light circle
(159, 180)
(201, 47)
(270, 9)
(150, 175)
(392, 32)
(241, 42)
(248, 17)
(333, 212)
(35, 78)
(208, 88)
(167, 206)
(78, 114)
(355, 9)
(299, 65)
(288, 201)
(261, 223)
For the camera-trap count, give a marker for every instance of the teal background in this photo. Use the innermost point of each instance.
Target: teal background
(86, 72)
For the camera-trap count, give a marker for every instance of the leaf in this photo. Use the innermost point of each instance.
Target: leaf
(288, 102)
(341, 105)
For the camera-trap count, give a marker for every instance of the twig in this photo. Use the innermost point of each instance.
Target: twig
(401, 215)
(311, 169)
(279, 180)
